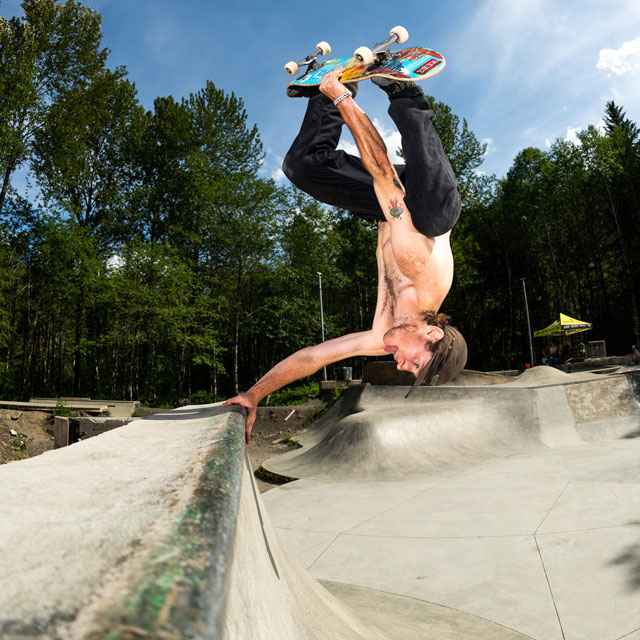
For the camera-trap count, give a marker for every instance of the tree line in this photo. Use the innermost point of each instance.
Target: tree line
(158, 263)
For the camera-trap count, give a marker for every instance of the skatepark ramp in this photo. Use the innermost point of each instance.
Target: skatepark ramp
(464, 511)
(373, 432)
(153, 530)
(496, 508)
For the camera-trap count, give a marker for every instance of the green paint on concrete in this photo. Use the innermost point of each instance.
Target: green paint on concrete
(185, 577)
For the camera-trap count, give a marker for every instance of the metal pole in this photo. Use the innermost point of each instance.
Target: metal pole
(322, 318)
(526, 304)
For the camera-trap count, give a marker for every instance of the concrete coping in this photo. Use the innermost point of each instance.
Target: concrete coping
(128, 534)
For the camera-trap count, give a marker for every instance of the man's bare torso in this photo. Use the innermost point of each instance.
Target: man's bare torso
(418, 272)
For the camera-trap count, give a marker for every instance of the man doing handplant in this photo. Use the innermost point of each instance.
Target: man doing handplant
(416, 206)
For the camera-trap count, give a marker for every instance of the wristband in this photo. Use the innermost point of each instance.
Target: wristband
(344, 96)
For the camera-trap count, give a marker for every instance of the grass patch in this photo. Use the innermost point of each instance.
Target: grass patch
(314, 415)
(274, 478)
(291, 396)
(287, 438)
(62, 411)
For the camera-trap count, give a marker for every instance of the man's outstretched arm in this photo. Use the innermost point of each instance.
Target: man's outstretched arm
(373, 150)
(303, 363)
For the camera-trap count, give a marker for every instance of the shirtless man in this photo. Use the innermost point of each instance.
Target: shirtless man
(417, 205)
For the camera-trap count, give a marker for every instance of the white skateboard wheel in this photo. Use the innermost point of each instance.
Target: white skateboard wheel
(363, 55)
(399, 32)
(325, 48)
(292, 68)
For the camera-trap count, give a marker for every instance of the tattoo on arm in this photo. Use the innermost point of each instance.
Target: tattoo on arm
(395, 210)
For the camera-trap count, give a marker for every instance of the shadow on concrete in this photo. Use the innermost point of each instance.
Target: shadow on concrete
(195, 412)
(631, 557)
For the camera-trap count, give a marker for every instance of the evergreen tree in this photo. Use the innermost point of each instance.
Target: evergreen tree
(55, 47)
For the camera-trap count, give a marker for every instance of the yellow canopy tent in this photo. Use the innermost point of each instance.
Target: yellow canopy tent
(563, 326)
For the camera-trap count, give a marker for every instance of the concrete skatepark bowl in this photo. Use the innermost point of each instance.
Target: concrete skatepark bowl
(486, 511)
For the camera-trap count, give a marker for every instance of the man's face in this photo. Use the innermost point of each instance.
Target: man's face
(407, 345)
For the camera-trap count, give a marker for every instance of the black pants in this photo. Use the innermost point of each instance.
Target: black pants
(334, 177)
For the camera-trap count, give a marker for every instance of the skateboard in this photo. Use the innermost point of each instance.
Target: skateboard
(378, 61)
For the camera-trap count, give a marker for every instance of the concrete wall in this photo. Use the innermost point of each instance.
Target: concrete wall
(132, 529)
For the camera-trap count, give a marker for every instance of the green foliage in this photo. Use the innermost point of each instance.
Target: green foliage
(19, 444)
(288, 439)
(293, 395)
(201, 397)
(337, 392)
(273, 478)
(62, 411)
(77, 172)
(567, 221)
(162, 261)
(314, 415)
(55, 48)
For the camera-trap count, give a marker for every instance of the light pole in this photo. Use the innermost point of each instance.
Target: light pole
(322, 319)
(526, 305)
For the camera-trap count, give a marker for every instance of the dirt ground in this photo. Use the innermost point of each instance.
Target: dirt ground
(24, 434)
(273, 433)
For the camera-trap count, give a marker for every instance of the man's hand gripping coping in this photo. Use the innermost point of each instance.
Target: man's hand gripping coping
(247, 401)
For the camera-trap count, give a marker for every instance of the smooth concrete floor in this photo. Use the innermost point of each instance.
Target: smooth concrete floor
(545, 544)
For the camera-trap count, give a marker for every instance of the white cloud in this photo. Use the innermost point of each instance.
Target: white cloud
(621, 61)
(572, 135)
(349, 146)
(390, 137)
(490, 147)
(271, 166)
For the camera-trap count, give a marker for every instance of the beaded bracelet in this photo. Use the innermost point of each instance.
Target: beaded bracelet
(344, 96)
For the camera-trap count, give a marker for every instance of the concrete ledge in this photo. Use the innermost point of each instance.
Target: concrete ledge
(128, 534)
(89, 427)
(115, 408)
(271, 597)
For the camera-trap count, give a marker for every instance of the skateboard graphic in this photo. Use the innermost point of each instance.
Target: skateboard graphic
(378, 61)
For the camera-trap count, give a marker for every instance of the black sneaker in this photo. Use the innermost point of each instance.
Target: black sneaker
(392, 87)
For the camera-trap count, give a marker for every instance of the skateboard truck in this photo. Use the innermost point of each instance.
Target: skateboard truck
(322, 49)
(380, 52)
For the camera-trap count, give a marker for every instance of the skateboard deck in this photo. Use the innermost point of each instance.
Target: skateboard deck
(404, 64)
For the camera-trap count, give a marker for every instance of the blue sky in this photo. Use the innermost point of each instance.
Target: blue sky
(522, 72)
